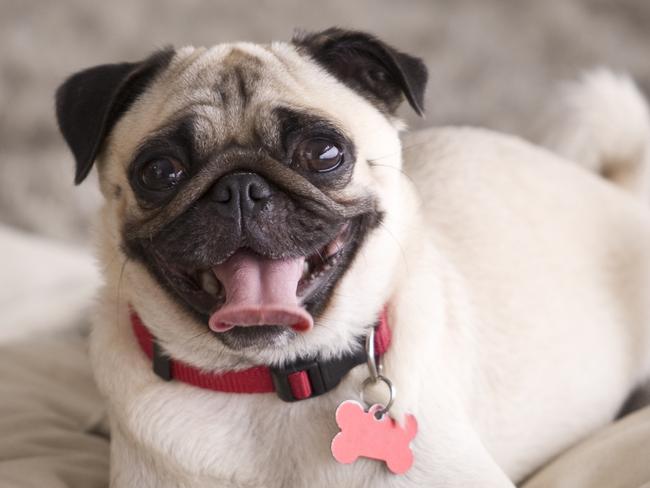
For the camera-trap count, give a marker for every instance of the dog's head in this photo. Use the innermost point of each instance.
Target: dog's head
(254, 201)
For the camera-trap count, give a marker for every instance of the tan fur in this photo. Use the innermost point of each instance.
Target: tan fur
(515, 284)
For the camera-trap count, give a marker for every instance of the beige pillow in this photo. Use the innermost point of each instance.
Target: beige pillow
(616, 457)
(50, 416)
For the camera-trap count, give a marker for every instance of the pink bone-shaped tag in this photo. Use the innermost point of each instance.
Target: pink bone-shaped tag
(363, 435)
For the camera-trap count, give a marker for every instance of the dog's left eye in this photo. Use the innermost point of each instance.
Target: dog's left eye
(161, 174)
(319, 155)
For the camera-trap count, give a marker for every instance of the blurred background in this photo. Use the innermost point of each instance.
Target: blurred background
(492, 63)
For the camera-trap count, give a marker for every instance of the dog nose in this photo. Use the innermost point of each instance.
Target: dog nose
(240, 192)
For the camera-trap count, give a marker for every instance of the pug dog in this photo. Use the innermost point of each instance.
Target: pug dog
(272, 249)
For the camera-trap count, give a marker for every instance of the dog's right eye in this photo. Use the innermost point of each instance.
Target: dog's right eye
(161, 174)
(318, 155)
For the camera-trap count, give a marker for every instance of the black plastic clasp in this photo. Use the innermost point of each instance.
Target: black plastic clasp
(162, 365)
(280, 378)
(323, 376)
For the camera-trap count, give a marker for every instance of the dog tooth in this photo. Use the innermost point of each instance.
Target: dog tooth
(209, 283)
(306, 269)
(333, 247)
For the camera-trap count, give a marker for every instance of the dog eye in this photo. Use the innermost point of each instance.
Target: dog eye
(161, 174)
(318, 155)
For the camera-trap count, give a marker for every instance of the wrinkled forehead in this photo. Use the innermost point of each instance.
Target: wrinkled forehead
(230, 93)
(232, 76)
(230, 84)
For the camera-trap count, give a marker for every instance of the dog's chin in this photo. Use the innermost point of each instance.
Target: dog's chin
(203, 294)
(257, 337)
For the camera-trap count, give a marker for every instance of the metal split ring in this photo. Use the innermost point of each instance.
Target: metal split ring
(391, 392)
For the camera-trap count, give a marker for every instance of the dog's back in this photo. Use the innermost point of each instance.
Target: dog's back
(556, 262)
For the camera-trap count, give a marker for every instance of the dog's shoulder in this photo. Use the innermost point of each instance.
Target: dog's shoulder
(469, 166)
(514, 198)
(458, 149)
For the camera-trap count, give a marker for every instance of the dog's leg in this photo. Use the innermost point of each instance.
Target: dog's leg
(602, 123)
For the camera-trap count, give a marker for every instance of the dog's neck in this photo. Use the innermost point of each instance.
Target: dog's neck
(300, 380)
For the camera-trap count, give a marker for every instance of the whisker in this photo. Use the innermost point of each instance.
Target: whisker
(194, 336)
(109, 264)
(399, 244)
(404, 173)
(119, 290)
(408, 177)
(402, 149)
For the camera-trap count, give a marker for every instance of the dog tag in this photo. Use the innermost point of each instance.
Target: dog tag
(364, 435)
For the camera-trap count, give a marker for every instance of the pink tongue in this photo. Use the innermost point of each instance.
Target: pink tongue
(260, 291)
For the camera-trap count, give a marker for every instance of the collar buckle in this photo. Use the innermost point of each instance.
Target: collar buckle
(308, 379)
(298, 381)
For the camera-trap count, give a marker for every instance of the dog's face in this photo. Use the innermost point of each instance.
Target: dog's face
(254, 201)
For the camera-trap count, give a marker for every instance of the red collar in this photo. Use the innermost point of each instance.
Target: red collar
(297, 381)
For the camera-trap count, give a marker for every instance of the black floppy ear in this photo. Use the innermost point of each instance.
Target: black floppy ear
(89, 104)
(364, 63)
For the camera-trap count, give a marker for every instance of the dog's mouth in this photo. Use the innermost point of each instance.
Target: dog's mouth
(257, 291)
(249, 297)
